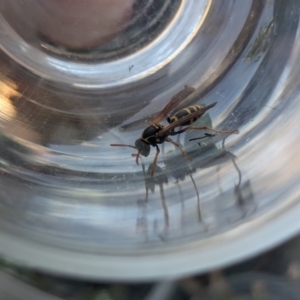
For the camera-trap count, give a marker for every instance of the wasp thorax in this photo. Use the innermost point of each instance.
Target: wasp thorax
(143, 148)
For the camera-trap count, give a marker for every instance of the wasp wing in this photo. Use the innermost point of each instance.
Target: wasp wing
(176, 99)
(187, 118)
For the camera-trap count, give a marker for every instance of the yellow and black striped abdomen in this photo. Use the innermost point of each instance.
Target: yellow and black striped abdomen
(185, 112)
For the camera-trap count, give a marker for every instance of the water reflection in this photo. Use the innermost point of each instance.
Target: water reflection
(175, 170)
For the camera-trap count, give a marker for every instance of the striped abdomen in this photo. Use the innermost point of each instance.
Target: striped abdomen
(185, 112)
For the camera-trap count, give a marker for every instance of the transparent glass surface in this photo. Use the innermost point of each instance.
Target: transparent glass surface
(72, 204)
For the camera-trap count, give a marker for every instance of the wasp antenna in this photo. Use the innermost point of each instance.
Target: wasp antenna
(136, 157)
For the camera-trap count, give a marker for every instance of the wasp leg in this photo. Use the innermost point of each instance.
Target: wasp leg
(206, 128)
(178, 146)
(155, 161)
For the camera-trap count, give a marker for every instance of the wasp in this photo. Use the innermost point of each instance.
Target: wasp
(156, 133)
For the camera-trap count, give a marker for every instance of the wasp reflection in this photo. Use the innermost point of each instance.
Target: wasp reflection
(219, 199)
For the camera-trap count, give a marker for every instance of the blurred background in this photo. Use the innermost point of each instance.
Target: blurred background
(79, 219)
(272, 275)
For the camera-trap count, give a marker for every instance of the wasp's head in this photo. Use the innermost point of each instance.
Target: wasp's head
(142, 147)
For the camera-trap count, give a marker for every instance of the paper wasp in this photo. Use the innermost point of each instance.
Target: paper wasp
(157, 133)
